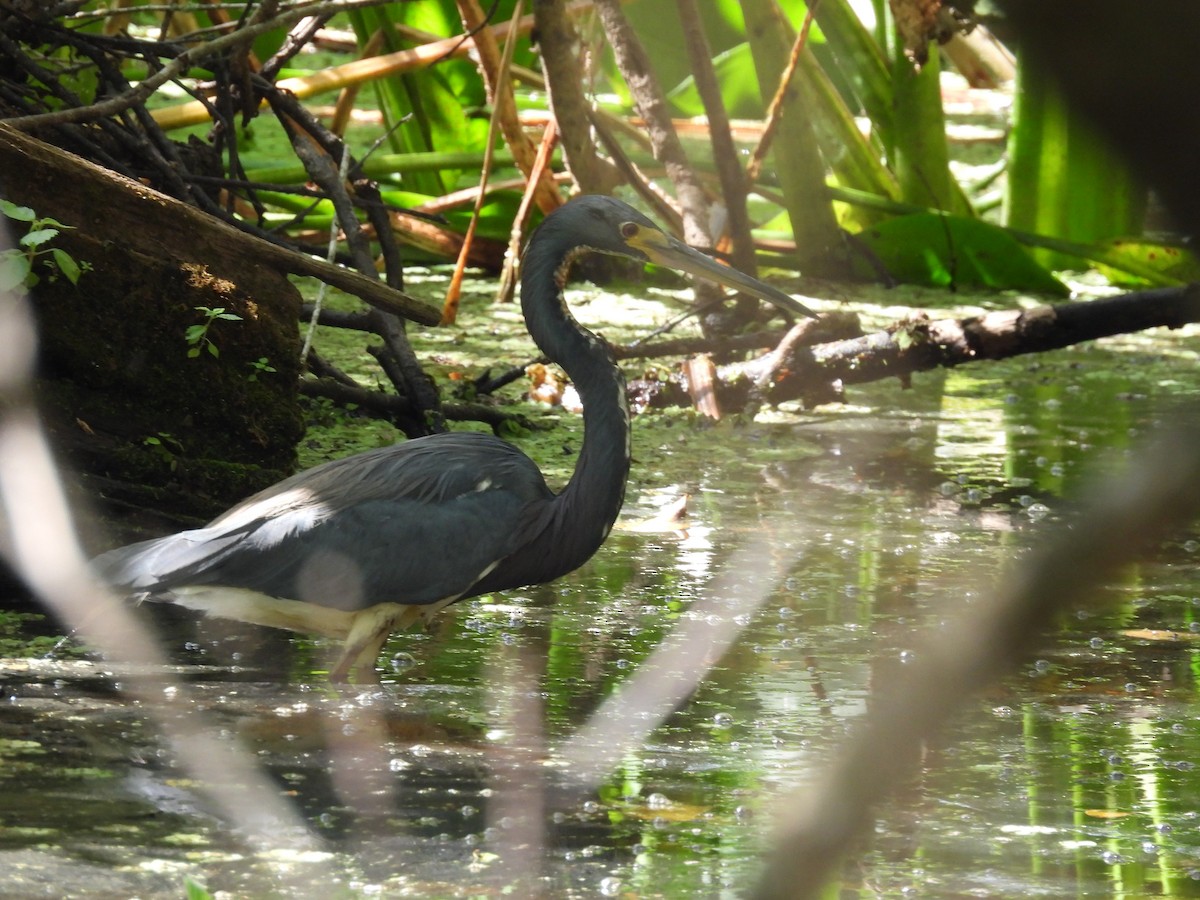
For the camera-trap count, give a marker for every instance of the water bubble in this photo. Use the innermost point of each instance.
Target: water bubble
(1042, 666)
(1191, 546)
(947, 488)
(907, 656)
(467, 811)
(1096, 643)
(1131, 688)
(1150, 848)
(743, 813)
(1164, 828)
(610, 886)
(1057, 470)
(658, 801)
(402, 661)
(591, 807)
(1037, 511)
(1110, 857)
(723, 720)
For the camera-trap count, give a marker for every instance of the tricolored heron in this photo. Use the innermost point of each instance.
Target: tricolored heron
(359, 547)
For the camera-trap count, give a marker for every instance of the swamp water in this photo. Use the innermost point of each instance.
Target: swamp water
(822, 548)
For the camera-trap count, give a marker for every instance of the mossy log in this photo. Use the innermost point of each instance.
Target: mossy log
(145, 425)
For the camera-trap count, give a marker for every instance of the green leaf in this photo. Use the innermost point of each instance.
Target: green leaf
(213, 351)
(193, 352)
(954, 251)
(66, 264)
(194, 333)
(37, 237)
(1174, 263)
(232, 317)
(14, 269)
(739, 87)
(17, 213)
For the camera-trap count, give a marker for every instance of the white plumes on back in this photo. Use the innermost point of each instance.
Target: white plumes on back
(299, 506)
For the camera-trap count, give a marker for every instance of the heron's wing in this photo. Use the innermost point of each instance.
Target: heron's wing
(415, 523)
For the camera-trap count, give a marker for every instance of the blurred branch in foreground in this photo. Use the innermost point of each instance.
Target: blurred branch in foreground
(38, 539)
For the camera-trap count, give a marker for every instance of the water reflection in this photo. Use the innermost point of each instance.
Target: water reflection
(809, 578)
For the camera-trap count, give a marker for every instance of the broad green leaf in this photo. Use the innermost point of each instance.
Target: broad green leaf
(1173, 262)
(739, 87)
(954, 251)
(14, 269)
(15, 212)
(37, 237)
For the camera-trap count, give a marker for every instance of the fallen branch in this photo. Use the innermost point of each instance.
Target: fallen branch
(211, 240)
(815, 372)
(920, 345)
(393, 406)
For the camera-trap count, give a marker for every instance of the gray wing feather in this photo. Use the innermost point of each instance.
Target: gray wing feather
(415, 523)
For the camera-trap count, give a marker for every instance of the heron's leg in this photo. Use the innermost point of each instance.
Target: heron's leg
(368, 633)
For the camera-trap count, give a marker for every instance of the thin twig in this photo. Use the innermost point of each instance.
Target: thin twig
(181, 63)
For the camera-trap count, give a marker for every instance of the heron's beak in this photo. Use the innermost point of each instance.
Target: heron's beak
(663, 250)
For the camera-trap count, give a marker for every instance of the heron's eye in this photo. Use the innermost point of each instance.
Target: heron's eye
(629, 229)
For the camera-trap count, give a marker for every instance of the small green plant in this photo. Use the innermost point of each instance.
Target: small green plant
(197, 335)
(165, 446)
(259, 366)
(18, 264)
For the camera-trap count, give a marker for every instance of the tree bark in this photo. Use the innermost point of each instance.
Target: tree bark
(817, 372)
(559, 43)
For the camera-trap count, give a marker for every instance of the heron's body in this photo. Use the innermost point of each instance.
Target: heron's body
(359, 547)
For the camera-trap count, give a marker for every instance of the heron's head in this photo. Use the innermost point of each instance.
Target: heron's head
(608, 225)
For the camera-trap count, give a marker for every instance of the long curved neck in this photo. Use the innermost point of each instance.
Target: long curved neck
(590, 502)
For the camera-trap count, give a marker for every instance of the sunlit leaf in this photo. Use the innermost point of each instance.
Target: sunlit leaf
(739, 87)
(16, 212)
(953, 252)
(1174, 262)
(38, 237)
